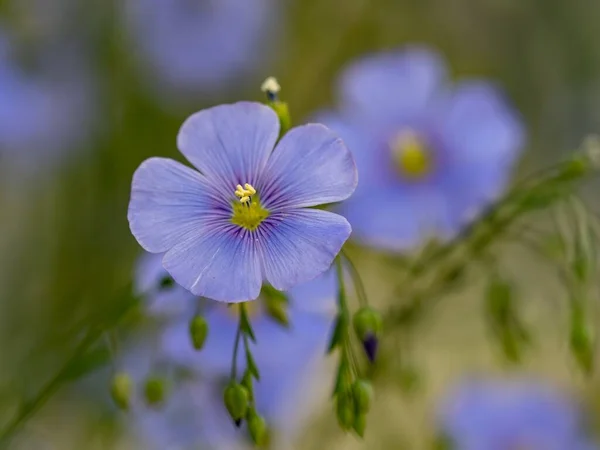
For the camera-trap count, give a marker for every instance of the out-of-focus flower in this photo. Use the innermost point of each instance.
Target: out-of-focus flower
(47, 93)
(196, 46)
(430, 154)
(246, 216)
(491, 415)
(288, 359)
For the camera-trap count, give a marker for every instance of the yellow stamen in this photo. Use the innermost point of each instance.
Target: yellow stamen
(411, 155)
(244, 193)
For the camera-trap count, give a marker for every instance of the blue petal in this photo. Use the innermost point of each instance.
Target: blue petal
(193, 417)
(489, 415)
(477, 126)
(392, 218)
(393, 87)
(230, 144)
(220, 263)
(310, 166)
(298, 245)
(201, 46)
(169, 202)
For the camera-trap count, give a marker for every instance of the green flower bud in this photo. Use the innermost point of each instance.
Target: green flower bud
(198, 331)
(360, 423)
(155, 390)
(236, 400)
(271, 88)
(368, 326)
(121, 390)
(276, 303)
(362, 392)
(367, 321)
(283, 112)
(258, 429)
(345, 412)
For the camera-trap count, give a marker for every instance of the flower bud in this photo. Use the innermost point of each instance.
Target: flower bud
(362, 392)
(276, 304)
(121, 389)
(236, 401)
(271, 88)
(360, 423)
(345, 412)
(155, 390)
(198, 331)
(370, 345)
(258, 429)
(368, 326)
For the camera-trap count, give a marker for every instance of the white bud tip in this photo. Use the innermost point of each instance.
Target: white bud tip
(270, 85)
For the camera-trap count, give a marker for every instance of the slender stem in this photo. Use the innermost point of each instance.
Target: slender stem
(29, 408)
(341, 286)
(235, 348)
(343, 305)
(357, 281)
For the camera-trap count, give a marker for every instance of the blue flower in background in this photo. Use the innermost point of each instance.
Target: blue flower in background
(246, 216)
(195, 46)
(488, 415)
(430, 154)
(289, 360)
(45, 112)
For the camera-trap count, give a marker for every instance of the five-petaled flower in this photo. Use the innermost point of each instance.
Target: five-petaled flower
(524, 414)
(223, 248)
(431, 155)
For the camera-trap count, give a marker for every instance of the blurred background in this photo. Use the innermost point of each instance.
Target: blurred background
(90, 89)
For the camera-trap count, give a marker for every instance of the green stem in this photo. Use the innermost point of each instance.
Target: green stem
(29, 408)
(357, 281)
(347, 354)
(113, 317)
(235, 348)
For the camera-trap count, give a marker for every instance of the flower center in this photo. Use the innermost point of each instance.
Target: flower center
(248, 212)
(411, 155)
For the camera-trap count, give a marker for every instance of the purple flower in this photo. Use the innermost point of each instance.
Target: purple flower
(488, 415)
(430, 154)
(43, 113)
(289, 360)
(198, 46)
(245, 217)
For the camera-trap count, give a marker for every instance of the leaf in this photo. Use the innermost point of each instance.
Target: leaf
(342, 379)
(245, 323)
(252, 368)
(341, 322)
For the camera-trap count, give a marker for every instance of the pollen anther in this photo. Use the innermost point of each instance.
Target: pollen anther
(244, 193)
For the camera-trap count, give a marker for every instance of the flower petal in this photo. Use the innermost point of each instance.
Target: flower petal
(230, 144)
(310, 166)
(220, 263)
(393, 219)
(477, 126)
(392, 87)
(169, 201)
(298, 245)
